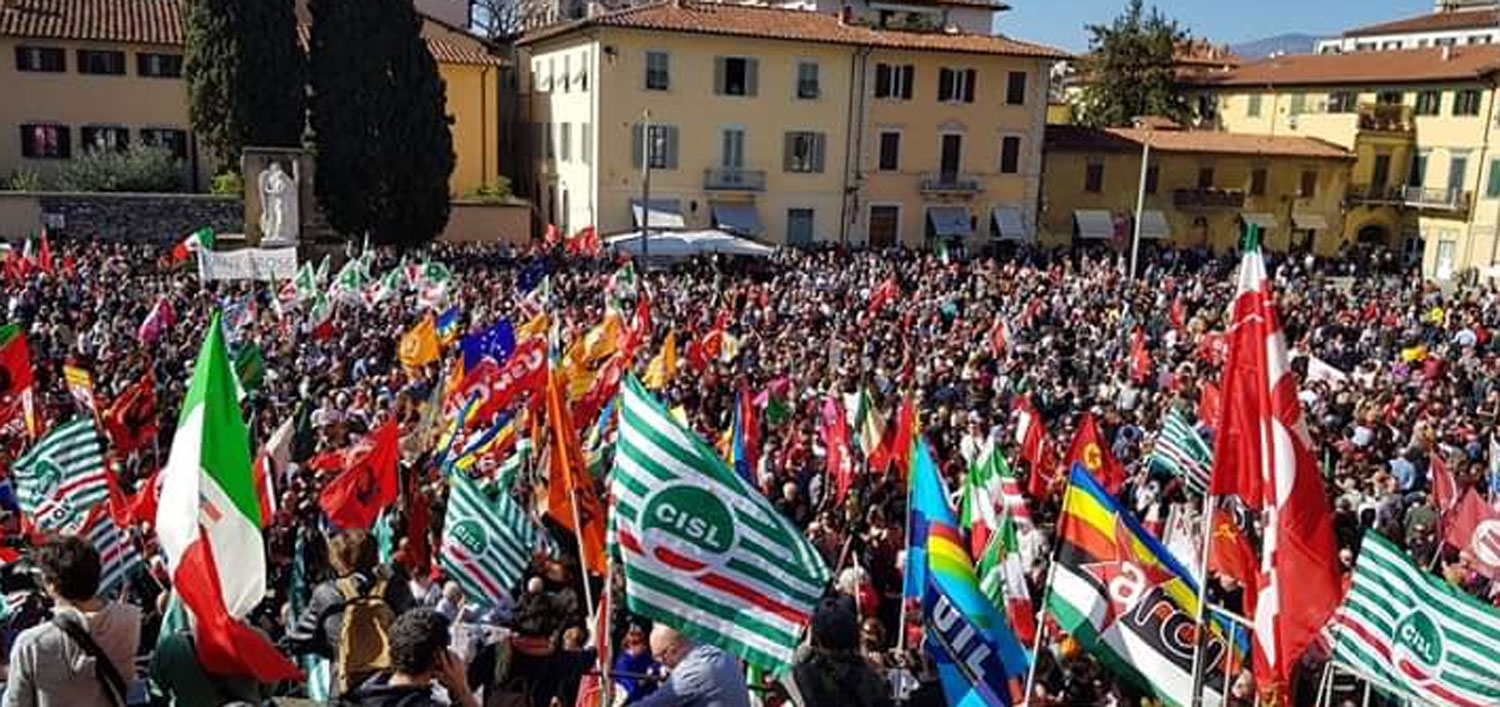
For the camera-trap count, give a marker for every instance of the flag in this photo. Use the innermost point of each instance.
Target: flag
(571, 498)
(1262, 453)
(320, 317)
(157, 321)
(350, 283)
(1031, 430)
(381, 290)
(744, 438)
(44, 254)
(81, 387)
(1181, 451)
(663, 367)
(1475, 531)
(487, 541)
(1209, 402)
(999, 338)
(497, 343)
(447, 326)
(270, 464)
(201, 239)
(433, 282)
(419, 345)
(1413, 635)
(927, 502)
(207, 511)
(979, 660)
(1230, 554)
(130, 421)
(1124, 598)
(1444, 486)
(118, 556)
(1090, 449)
(869, 424)
(702, 551)
(15, 361)
(840, 462)
(979, 515)
(249, 367)
(1002, 578)
(1140, 357)
(64, 467)
(368, 483)
(895, 446)
(883, 295)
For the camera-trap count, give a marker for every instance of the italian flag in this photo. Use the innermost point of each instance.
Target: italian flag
(208, 523)
(201, 239)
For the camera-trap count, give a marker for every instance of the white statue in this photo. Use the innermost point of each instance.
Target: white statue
(278, 205)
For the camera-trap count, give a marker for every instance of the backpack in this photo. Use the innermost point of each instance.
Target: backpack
(364, 637)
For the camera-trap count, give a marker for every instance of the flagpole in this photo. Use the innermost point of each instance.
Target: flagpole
(1204, 546)
(901, 622)
(1041, 612)
(583, 573)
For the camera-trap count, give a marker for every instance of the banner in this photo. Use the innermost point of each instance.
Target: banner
(270, 264)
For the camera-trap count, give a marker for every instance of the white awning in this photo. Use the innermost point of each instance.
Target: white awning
(740, 219)
(950, 221)
(1310, 222)
(1009, 223)
(1154, 225)
(1255, 218)
(1094, 224)
(665, 213)
(685, 244)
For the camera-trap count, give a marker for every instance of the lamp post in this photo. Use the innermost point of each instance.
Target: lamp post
(648, 144)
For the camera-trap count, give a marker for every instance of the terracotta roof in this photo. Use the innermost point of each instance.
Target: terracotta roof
(793, 25)
(1398, 66)
(151, 22)
(1449, 20)
(1074, 137)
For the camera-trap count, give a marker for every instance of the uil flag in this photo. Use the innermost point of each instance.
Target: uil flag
(1090, 450)
(1263, 454)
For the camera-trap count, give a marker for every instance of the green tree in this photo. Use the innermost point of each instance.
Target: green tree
(383, 147)
(1130, 69)
(245, 72)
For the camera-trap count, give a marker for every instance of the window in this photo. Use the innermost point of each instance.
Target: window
(807, 80)
(1010, 155)
(734, 76)
(1309, 184)
(1343, 102)
(583, 72)
(551, 73)
(956, 85)
(1479, 39)
(1258, 181)
(565, 141)
(41, 59)
(1093, 178)
(1445, 41)
(804, 152)
(663, 146)
(657, 71)
(1492, 187)
(732, 148)
(1390, 98)
(166, 66)
(585, 144)
(1458, 171)
(1389, 45)
(1298, 104)
(890, 151)
(1380, 174)
(1205, 177)
(1208, 107)
(1253, 110)
(1153, 178)
(549, 144)
(894, 80)
(170, 138)
(567, 76)
(799, 226)
(104, 138)
(1429, 102)
(1418, 174)
(1015, 88)
(92, 61)
(1466, 102)
(46, 141)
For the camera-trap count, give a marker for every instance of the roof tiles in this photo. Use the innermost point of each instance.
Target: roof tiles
(1469, 18)
(1073, 137)
(1400, 66)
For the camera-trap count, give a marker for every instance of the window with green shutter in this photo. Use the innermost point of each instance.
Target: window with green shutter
(803, 152)
(1492, 187)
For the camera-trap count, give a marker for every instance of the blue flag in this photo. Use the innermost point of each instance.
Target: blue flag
(929, 504)
(531, 275)
(447, 325)
(496, 342)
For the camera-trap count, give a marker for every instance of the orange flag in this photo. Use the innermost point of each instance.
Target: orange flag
(571, 498)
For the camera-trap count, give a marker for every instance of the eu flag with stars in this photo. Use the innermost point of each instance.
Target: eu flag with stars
(496, 342)
(531, 275)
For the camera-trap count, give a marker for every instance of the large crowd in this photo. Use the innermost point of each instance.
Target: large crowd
(1416, 378)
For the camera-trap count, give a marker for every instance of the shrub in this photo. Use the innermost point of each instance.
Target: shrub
(24, 180)
(227, 184)
(137, 169)
(498, 193)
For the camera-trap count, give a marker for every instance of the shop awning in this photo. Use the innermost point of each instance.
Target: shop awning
(1310, 222)
(950, 221)
(1094, 224)
(1009, 223)
(686, 244)
(741, 219)
(1255, 218)
(1154, 225)
(665, 213)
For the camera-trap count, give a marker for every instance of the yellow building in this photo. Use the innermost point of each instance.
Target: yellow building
(1202, 188)
(1426, 181)
(81, 75)
(793, 126)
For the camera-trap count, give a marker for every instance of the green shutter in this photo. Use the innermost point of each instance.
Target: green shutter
(969, 87)
(719, 75)
(908, 76)
(1492, 190)
(752, 71)
(671, 147)
(817, 152)
(789, 147)
(637, 147)
(882, 80)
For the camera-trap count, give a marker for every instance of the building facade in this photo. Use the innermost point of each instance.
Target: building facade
(102, 74)
(789, 125)
(1451, 23)
(1201, 189)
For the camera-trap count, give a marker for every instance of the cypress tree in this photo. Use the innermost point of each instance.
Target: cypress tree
(378, 115)
(244, 68)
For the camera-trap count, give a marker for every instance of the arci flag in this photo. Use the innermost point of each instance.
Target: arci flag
(486, 541)
(704, 552)
(1413, 635)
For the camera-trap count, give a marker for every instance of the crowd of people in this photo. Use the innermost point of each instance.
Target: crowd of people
(1415, 378)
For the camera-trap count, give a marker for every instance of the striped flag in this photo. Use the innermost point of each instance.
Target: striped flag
(1413, 635)
(118, 556)
(486, 541)
(1181, 451)
(993, 475)
(65, 467)
(703, 552)
(1002, 578)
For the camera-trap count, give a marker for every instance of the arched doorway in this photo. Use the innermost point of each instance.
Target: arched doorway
(1373, 234)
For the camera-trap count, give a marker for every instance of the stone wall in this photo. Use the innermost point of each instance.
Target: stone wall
(142, 218)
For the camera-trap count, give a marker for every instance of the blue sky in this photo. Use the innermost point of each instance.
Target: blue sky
(1061, 23)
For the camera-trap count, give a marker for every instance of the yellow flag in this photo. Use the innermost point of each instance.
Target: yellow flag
(419, 345)
(662, 368)
(536, 327)
(603, 339)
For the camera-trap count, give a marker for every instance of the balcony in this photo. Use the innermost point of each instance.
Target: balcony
(734, 179)
(1446, 200)
(1209, 198)
(950, 183)
(1370, 195)
(1386, 119)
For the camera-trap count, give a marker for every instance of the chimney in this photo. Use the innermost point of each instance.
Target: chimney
(846, 14)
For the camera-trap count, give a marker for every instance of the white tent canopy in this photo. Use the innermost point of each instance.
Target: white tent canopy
(686, 244)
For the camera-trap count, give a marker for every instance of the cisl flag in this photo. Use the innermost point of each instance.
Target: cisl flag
(208, 522)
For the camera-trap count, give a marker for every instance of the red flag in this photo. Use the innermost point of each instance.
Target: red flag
(1263, 454)
(1179, 318)
(1230, 554)
(896, 447)
(368, 483)
(1090, 450)
(1444, 486)
(130, 421)
(1043, 480)
(1140, 357)
(1031, 430)
(1208, 405)
(143, 503)
(1475, 531)
(418, 519)
(265, 488)
(836, 442)
(15, 361)
(883, 295)
(999, 335)
(44, 254)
